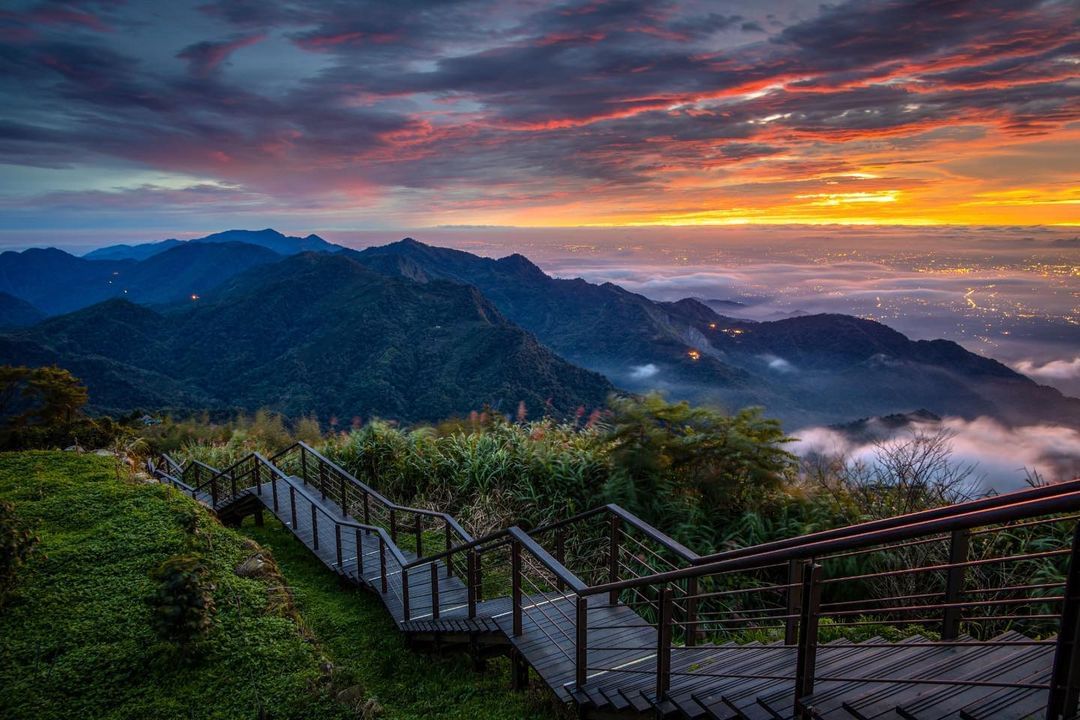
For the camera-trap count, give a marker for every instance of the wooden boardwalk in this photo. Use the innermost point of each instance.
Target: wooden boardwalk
(632, 665)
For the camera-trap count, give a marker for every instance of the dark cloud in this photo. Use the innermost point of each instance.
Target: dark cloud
(576, 96)
(205, 57)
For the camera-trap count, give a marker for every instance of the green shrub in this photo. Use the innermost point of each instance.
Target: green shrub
(182, 603)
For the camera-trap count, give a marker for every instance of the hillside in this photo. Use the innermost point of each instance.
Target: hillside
(312, 333)
(16, 313)
(78, 641)
(805, 370)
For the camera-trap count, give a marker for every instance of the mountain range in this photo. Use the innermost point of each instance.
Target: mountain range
(416, 332)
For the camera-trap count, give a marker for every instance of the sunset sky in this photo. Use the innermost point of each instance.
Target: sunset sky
(147, 116)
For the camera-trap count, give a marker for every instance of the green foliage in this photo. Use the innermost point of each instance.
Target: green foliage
(685, 469)
(17, 544)
(672, 462)
(181, 604)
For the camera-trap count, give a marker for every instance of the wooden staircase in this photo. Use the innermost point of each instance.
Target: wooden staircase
(619, 620)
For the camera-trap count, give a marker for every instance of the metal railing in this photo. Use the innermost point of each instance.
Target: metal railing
(1000, 570)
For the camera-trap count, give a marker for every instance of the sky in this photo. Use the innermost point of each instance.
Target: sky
(143, 119)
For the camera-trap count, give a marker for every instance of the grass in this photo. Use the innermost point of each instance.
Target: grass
(366, 648)
(76, 641)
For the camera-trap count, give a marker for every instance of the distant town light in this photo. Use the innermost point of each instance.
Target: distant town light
(194, 296)
(694, 355)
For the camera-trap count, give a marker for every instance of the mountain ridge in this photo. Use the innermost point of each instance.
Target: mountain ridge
(310, 334)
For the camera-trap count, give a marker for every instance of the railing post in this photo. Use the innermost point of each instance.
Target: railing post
(393, 526)
(1064, 697)
(471, 581)
(359, 553)
(794, 600)
(344, 497)
(273, 491)
(806, 661)
(434, 592)
(258, 480)
(292, 504)
(419, 531)
(560, 555)
(954, 584)
(405, 593)
(213, 491)
(337, 543)
(322, 480)
(613, 558)
(382, 562)
(449, 544)
(691, 611)
(314, 528)
(581, 643)
(303, 464)
(515, 571)
(367, 508)
(479, 578)
(232, 478)
(663, 645)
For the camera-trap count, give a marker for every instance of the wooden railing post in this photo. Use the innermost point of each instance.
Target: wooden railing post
(471, 581)
(405, 592)
(479, 577)
(691, 611)
(434, 592)
(359, 553)
(393, 526)
(794, 601)
(806, 661)
(314, 527)
(663, 645)
(367, 508)
(515, 571)
(1064, 696)
(292, 504)
(337, 543)
(613, 558)
(581, 643)
(322, 480)
(419, 532)
(382, 562)
(258, 480)
(954, 584)
(449, 544)
(344, 497)
(274, 492)
(560, 555)
(303, 464)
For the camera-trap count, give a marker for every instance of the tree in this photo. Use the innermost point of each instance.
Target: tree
(671, 458)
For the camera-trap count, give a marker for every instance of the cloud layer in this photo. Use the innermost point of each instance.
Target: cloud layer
(1002, 456)
(520, 112)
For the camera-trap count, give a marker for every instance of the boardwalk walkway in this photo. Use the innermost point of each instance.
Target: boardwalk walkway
(670, 641)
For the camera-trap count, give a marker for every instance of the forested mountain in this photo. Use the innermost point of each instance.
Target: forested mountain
(810, 369)
(312, 333)
(414, 331)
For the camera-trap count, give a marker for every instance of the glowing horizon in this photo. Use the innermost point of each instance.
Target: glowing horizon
(512, 113)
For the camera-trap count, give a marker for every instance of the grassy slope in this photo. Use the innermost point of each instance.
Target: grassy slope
(75, 639)
(365, 646)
